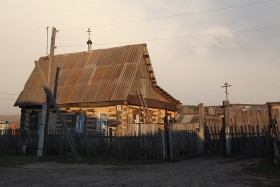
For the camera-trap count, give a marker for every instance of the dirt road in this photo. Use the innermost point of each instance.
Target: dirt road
(213, 171)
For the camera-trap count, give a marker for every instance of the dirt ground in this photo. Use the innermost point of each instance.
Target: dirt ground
(203, 171)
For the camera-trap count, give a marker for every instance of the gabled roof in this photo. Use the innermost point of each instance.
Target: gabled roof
(94, 76)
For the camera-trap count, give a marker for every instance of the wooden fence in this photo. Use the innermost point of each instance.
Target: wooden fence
(236, 132)
(247, 133)
(151, 146)
(246, 140)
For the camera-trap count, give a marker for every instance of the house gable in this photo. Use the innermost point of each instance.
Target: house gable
(103, 75)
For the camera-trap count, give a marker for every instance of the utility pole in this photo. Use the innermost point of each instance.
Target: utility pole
(51, 53)
(47, 50)
(226, 85)
(46, 106)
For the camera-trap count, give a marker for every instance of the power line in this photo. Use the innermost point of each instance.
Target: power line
(174, 15)
(183, 37)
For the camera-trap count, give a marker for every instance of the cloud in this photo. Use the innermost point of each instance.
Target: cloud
(204, 45)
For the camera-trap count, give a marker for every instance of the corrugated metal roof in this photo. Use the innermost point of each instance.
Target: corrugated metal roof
(95, 76)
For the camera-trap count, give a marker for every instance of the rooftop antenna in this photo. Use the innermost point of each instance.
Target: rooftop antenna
(89, 42)
(226, 85)
(47, 40)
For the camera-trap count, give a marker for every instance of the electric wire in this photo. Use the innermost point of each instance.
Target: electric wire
(182, 37)
(171, 16)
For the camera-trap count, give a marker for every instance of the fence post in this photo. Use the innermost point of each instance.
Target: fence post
(200, 135)
(226, 136)
(274, 136)
(163, 145)
(167, 136)
(42, 131)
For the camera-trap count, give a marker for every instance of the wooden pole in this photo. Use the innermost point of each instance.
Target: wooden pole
(54, 104)
(56, 82)
(52, 47)
(274, 136)
(200, 136)
(42, 131)
(51, 53)
(167, 135)
(225, 132)
(67, 133)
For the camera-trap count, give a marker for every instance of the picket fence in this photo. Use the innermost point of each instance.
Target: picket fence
(239, 140)
(150, 146)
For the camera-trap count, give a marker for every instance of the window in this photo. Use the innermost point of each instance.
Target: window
(33, 121)
(136, 118)
(102, 124)
(80, 125)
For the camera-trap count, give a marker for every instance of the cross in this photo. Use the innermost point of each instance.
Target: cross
(226, 85)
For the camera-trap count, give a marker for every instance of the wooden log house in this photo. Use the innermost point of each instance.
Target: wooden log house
(99, 91)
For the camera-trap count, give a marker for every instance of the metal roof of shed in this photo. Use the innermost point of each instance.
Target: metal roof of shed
(94, 76)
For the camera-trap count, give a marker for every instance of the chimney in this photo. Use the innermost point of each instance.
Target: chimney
(89, 42)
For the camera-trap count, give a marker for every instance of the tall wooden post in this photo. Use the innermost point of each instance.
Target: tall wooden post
(52, 47)
(167, 136)
(51, 54)
(274, 136)
(42, 131)
(226, 122)
(201, 130)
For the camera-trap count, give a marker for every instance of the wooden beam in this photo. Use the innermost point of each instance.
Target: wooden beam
(56, 82)
(63, 124)
(51, 53)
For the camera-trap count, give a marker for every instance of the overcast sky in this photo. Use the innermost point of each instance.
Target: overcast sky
(192, 69)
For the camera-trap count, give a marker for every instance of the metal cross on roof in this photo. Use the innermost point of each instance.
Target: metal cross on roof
(226, 85)
(89, 31)
(89, 42)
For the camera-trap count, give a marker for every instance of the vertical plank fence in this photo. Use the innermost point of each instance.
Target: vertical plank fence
(144, 147)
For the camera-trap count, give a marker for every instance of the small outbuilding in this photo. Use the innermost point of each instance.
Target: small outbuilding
(105, 90)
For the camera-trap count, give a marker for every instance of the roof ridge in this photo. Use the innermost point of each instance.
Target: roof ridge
(80, 52)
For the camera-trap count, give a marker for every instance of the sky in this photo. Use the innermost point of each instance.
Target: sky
(194, 45)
